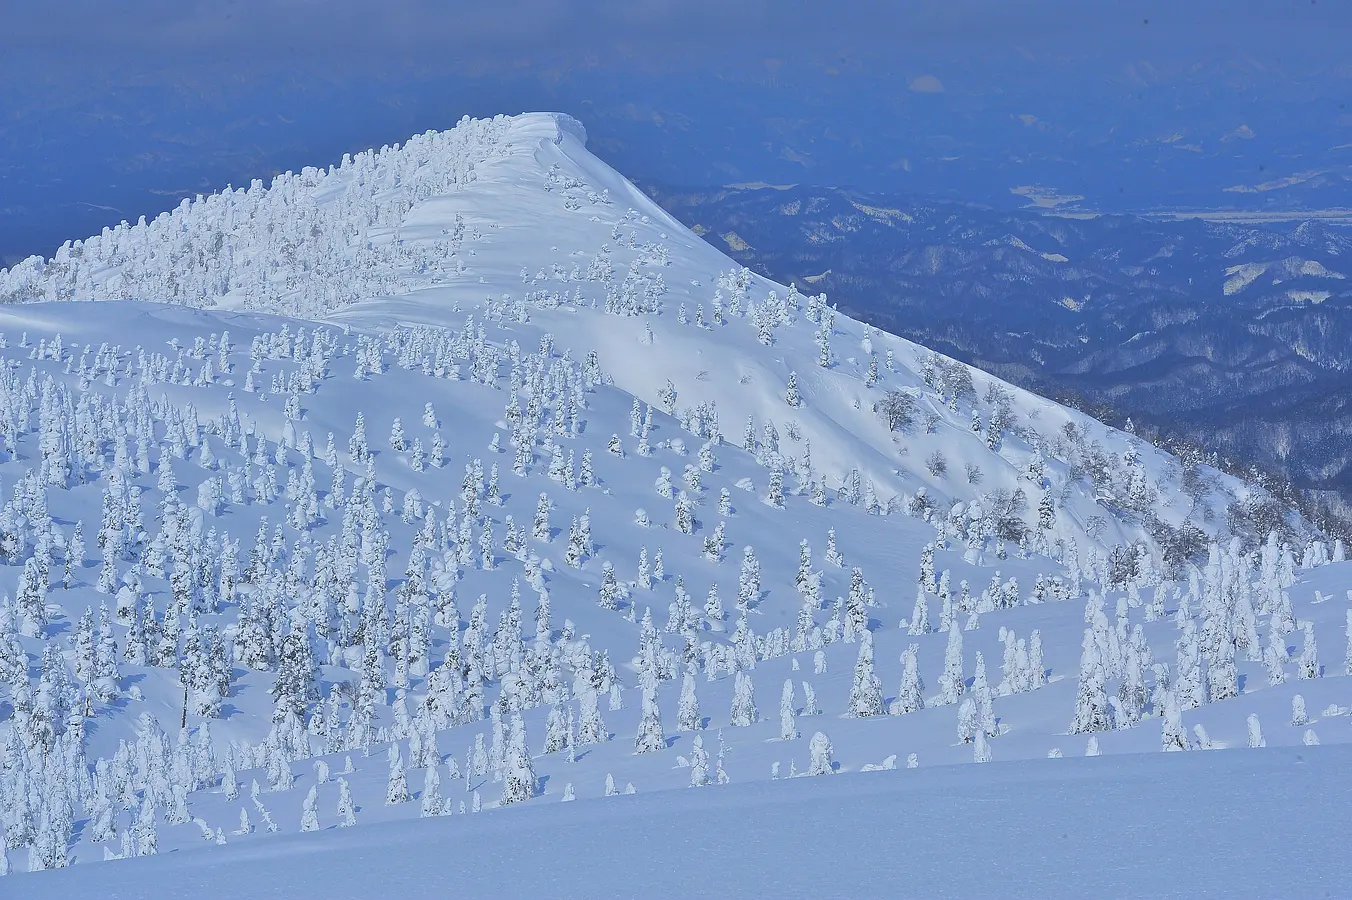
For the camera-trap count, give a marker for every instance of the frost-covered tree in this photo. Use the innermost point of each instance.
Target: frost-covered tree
(518, 770)
(347, 811)
(591, 727)
(1223, 677)
(1172, 735)
(687, 714)
(645, 580)
(981, 751)
(866, 694)
(1091, 697)
(540, 525)
(951, 683)
(713, 605)
(1298, 714)
(1255, 732)
(749, 581)
(309, 816)
(1190, 681)
(699, 763)
(685, 514)
(788, 729)
(1347, 666)
(743, 700)
(968, 726)
(1308, 664)
(1037, 666)
(775, 492)
(610, 593)
(396, 790)
(650, 738)
(911, 692)
(981, 694)
(30, 600)
(357, 447)
(820, 750)
(919, 623)
(896, 408)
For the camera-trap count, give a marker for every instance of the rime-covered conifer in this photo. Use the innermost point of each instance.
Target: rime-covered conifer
(396, 790)
(699, 763)
(788, 729)
(687, 714)
(519, 772)
(591, 728)
(952, 684)
(1298, 714)
(1091, 698)
(347, 811)
(1172, 735)
(743, 700)
(1308, 664)
(866, 694)
(820, 750)
(1255, 732)
(981, 694)
(650, 737)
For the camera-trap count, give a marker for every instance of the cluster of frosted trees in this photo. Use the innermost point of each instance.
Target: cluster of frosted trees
(1236, 608)
(182, 589)
(181, 594)
(309, 242)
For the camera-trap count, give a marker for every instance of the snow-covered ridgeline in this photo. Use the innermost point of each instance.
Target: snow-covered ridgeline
(513, 214)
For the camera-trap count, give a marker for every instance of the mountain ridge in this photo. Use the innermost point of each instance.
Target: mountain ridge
(465, 463)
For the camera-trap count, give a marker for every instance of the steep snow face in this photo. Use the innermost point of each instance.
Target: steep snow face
(539, 232)
(279, 559)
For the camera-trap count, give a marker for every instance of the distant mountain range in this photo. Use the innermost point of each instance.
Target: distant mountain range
(1134, 131)
(1234, 336)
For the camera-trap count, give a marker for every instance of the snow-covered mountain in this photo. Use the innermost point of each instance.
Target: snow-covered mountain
(461, 476)
(513, 218)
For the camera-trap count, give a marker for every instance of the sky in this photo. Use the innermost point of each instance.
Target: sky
(298, 30)
(111, 109)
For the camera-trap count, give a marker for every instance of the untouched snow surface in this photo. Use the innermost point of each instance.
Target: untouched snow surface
(1258, 824)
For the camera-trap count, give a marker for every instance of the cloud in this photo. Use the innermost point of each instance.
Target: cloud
(355, 31)
(927, 84)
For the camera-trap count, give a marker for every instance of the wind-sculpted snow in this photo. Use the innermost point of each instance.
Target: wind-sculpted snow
(567, 523)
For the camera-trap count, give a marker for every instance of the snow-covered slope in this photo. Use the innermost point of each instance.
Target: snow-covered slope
(510, 215)
(464, 471)
(1073, 828)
